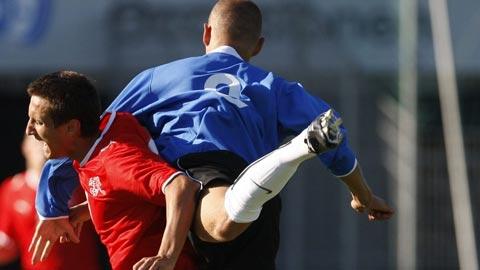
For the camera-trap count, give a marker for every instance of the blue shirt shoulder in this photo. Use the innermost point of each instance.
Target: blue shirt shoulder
(57, 182)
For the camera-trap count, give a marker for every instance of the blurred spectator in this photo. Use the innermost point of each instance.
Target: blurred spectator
(18, 219)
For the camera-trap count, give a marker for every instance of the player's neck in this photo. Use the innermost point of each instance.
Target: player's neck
(82, 147)
(216, 44)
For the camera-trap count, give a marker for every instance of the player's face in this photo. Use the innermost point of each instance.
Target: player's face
(32, 151)
(40, 125)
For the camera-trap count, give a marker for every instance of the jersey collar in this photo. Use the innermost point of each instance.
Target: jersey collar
(227, 50)
(104, 131)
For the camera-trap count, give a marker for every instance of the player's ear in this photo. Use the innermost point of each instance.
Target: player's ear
(258, 46)
(73, 127)
(207, 34)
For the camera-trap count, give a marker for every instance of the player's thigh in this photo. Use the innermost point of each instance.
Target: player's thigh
(211, 222)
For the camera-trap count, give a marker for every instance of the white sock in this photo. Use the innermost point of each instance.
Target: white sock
(264, 179)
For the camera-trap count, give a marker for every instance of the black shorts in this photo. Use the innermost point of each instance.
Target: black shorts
(257, 247)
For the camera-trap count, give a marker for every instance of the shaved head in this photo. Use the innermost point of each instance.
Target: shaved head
(237, 23)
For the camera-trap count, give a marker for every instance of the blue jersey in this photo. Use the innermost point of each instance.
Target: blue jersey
(220, 102)
(57, 183)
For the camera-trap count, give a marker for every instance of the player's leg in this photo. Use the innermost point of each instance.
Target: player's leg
(224, 213)
(266, 177)
(259, 243)
(211, 222)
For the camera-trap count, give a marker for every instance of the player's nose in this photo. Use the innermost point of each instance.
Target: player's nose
(29, 130)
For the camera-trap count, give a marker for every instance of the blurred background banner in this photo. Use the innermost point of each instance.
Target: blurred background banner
(23, 21)
(349, 53)
(38, 35)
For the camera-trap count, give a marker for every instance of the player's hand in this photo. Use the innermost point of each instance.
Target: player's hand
(78, 215)
(155, 263)
(46, 234)
(377, 208)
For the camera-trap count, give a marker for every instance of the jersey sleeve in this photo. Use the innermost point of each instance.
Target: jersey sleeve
(58, 181)
(132, 167)
(296, 110)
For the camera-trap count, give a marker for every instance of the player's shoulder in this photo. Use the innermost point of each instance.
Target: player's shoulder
(124, 123)
(166, 74)
(126, 129)
(58, 162)
(60, 168)
(125, 117)
(179, 63)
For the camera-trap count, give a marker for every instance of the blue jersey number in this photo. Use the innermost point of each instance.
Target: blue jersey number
(234, 87)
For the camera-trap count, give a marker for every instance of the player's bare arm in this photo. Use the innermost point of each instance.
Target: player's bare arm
(49, 231)
(46, 234)
(79, 214)
(180, 197)
(363, 200)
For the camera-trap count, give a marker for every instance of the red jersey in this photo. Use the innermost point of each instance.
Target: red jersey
(124, 181)
(18, 220)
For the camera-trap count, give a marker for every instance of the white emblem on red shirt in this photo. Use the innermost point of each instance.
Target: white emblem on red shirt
(95, 186)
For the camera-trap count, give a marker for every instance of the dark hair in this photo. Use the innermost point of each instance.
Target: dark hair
(241, 20)
(72, 96)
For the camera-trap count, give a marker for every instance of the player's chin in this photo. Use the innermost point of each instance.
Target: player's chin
(48, 153)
